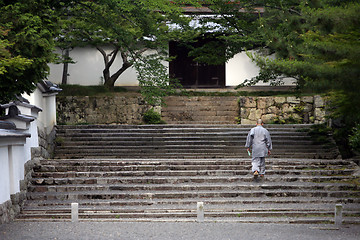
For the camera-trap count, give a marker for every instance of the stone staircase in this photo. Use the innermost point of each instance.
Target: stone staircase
(200, 110)
(183, 141)
(130, 176)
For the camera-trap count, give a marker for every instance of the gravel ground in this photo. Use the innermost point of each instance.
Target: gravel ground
(175, 230)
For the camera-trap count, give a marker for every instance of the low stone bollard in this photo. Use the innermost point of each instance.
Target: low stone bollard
(338, 214)
(200, 212)
(74, 212)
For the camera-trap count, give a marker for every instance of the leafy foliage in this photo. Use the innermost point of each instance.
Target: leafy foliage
(130, 29)
(314, 42)
(355, 138)
(27, 31)
(152, 117)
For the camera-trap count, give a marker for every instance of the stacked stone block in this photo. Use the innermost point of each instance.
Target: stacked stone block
(129, 109)
(291, 109)
(120, 109)
(202, 109)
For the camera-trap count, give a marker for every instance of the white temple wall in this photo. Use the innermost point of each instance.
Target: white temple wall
(89, 66)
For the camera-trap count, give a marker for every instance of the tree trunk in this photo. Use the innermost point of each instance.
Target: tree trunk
(66, 67)
(109, 80)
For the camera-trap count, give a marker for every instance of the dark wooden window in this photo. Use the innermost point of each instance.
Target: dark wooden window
(193, 74)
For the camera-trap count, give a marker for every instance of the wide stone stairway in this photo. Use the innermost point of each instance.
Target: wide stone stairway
(159, 173)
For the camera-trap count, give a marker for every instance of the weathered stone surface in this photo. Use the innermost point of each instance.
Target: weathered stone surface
(287, 108)
(180, 109)
(318, 101)
(272, 110)
(267, 118)
(283, 108)
(5, 212)
(264, 102)
(245, 112)
(294, 100)
(249, 102)
(319, 114)
(307, 99)
(280, 99)
(247, 121)
(204, 109)
(127, 109)
(308, 107)
(255, 114)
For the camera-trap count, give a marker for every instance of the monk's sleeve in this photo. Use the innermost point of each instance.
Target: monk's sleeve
(249, 139)
(268, 141)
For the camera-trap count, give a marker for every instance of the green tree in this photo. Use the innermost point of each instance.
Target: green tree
(315, 42)
(233, 24)
(320, 47)
(126, 29)
(28, 28)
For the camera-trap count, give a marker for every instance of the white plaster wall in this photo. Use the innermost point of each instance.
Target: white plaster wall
(89, 67)
(240, 68)
(46, 119)
(36, 98)
(4, 174)
(49, 113)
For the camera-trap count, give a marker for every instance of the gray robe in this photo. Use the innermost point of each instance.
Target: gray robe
(260, 141)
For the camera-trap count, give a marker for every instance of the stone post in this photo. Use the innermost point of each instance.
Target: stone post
(74, 212)
(338, 214)
(200, 212)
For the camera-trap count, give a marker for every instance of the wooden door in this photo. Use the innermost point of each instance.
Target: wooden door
(193, 74)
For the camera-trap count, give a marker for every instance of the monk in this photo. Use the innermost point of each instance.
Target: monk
(260, 141)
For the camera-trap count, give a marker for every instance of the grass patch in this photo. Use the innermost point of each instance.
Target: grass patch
(78, 90)
(193, 93)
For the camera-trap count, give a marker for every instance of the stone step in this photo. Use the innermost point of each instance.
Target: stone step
(187, 179)
(170, 213)
(241, 141)
(101, 205)
(176, 141)
(155, 195)
(277, 220)
(163, 167)
(175, 155)
(179, 131)
(269, 172)
(272, 220)
(245, 202)
(192, 187)
(186, 127)
(197, 143)
(215, 149)
(287, 127)
(192, 161)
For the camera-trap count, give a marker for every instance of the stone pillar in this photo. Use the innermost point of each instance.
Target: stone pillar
(200, 212)
(74, 212)
(338, 214)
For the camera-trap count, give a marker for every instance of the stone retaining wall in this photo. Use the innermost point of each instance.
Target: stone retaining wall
(307, 109)
(129, 109)
(124, 109)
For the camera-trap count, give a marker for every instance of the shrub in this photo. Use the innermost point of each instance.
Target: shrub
(152, 117)
(354, 138)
